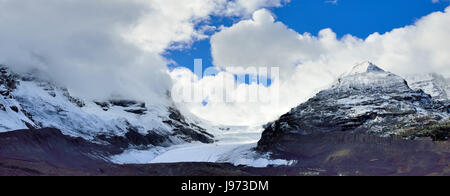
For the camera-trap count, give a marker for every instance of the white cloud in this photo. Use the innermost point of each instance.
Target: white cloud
(103, 47)
(310, 63)
(262, 42)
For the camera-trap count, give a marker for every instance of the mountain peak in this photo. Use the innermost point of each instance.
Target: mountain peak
(365, 67)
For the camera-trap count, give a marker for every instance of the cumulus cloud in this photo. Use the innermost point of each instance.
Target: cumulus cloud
(103, 47)
(310, 63)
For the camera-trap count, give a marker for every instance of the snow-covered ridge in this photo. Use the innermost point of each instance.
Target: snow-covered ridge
(368, 74)
(28, 102)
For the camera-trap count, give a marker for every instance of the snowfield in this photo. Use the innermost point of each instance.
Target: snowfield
(234, 146)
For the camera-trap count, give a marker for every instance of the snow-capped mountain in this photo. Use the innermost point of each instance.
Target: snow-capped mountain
(365, 100)
(27, 102)
(434, 84)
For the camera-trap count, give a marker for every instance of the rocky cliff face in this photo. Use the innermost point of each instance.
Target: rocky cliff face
(365, 100)
(29, 102)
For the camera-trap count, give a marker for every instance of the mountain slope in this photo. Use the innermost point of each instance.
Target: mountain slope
(365, 100)
(29, 102)
(434, 84)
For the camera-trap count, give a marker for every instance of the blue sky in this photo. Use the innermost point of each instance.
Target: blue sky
(355, 17)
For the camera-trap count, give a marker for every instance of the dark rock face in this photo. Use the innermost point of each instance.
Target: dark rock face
(359, 126)
(8, 82)
(133, 138)
(14, 108)
(78, 102)
(130, 106)
(104, 105)
(126, 103)
(140, 111)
